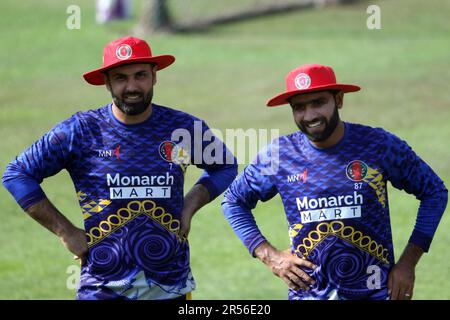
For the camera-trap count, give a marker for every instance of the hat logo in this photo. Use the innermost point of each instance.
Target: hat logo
(123, 52)
(302, 81)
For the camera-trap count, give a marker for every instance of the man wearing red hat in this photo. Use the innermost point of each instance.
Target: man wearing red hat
(332, 178)
(128, 169)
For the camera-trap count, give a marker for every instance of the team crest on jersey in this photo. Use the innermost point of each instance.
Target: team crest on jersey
(171, 152)
(356, 170)
(123, 52)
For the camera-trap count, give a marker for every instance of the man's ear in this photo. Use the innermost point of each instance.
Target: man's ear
(339, 99)
(154, 74)
(106, 79)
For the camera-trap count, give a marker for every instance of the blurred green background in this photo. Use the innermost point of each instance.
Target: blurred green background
(224, 76)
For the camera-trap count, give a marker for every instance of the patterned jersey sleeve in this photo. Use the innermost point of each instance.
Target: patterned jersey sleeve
(53, 152)
(409, 172)
(252, 185)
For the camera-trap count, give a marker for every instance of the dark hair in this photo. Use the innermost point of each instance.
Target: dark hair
(105, 72)
(334, 92)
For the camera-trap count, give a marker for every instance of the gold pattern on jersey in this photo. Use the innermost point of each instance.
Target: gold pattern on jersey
(124, 215)
(375, 179)
(347, 233)
(92, 207)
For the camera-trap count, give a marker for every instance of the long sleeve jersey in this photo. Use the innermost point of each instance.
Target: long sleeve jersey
(336, 205)
(129, 182)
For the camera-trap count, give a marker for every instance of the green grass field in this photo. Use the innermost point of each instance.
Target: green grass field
(225, 76)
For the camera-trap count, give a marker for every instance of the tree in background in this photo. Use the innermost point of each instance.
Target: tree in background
(156, 15)
(155, 18)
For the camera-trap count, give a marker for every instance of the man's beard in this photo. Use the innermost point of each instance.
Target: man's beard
(133, 108)
(326, 133)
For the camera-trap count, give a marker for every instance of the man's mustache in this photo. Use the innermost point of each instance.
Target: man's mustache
(132, 93)
(305, 123)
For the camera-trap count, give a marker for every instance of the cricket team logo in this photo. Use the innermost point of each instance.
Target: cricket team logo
(302, 81)
(356, 170)
(123, 52)
(171, 152)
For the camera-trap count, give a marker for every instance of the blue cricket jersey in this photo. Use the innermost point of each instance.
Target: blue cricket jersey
(336, 205)
(129, 182)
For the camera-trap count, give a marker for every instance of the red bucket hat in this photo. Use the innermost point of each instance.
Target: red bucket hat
(124, 51)
(309, 78)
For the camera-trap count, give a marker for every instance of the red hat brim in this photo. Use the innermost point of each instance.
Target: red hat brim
(285, 96)
(96, 77)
